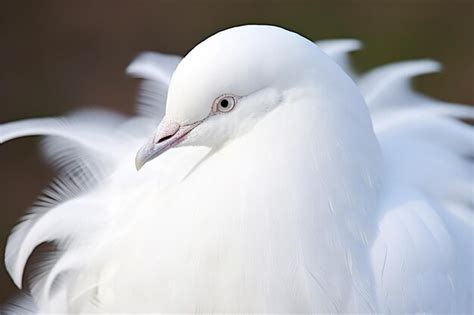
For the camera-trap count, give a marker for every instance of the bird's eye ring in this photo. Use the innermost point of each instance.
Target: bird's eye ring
(224, 103)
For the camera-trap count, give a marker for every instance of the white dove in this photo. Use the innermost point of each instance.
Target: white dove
(277, 185)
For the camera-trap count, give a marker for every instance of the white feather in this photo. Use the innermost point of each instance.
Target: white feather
(58, 224)
(155, 70)
(22, 304)
(338, 50)
(154, 66)
(390, 85)
(230, 229)
(429, 157)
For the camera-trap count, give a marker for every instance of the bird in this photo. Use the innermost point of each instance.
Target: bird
(260, 174)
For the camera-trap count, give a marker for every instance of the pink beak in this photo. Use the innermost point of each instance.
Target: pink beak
(168, 134)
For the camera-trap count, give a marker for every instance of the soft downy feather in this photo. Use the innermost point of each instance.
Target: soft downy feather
(404, 117)
(155, 70)
(420, 135)
(82, 154)
(22, 303)
(338, 50)
(73, 216)
(84, 147)
(429, 156)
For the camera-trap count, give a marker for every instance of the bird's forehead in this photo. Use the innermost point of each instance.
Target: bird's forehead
(217, 66)
(237, 61)
(194, 87)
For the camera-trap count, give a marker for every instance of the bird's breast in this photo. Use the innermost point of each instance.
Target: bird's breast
(254, 226)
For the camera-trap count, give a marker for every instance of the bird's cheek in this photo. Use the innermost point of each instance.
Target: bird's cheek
(206, 136)
(195, 138)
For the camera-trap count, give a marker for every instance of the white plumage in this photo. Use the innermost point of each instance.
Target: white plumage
(287, 202)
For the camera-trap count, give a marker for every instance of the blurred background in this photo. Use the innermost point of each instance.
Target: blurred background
(57, 56)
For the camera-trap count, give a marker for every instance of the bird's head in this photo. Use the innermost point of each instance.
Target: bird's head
(227, 83)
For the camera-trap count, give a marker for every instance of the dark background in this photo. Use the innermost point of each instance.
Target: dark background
(56, 56)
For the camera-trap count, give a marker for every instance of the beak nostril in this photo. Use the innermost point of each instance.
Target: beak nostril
(164, 138)
(167, 135)
(165, 131)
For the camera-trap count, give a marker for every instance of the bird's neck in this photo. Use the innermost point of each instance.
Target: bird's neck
(324, 151)
(309, 176)
(281, 214)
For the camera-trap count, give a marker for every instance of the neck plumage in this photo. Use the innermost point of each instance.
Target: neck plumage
(300, 191)
(278, 220)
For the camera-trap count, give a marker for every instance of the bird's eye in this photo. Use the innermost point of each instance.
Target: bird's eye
(225, 103)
